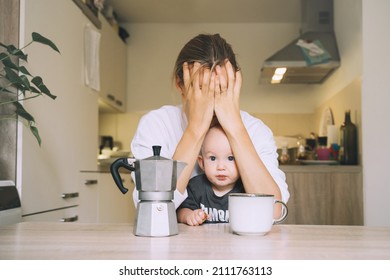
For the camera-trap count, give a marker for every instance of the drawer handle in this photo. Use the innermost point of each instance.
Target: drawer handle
(70, 195)
(70, 219)
(119, 103)
(90, 182)
(110, 97)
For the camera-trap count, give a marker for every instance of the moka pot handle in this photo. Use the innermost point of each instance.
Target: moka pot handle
(121, 162)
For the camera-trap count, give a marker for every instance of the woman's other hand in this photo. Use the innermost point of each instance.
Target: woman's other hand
(227, 94)
(197, 91)
(198, 96)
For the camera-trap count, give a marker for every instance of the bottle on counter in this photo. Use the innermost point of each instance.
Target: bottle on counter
(348, 152)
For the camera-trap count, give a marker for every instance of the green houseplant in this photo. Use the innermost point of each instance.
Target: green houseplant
(17, 84)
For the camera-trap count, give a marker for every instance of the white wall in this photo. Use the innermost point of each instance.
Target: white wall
(157, 46)
(348, 30)
(375, 112)
(153, 48)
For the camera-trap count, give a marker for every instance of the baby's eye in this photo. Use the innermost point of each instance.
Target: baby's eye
(212, 158)
(231, 158)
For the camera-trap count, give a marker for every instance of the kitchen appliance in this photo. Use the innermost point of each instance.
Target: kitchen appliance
(317, 27)
(10, 207)
(106, 142)
(155, 179)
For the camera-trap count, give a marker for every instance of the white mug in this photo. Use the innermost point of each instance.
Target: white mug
(253, 214)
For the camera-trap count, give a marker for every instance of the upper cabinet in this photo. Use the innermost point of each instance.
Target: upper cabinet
(113, 60)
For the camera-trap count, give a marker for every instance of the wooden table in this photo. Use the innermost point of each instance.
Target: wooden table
(69, 241)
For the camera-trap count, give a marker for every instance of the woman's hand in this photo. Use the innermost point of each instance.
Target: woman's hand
(227, 94)
(198, 97)
(254, 174)
(198, 105)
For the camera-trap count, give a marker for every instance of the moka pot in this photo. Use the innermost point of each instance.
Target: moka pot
(155, 180)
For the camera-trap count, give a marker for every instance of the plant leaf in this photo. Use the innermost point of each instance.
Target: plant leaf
(12, 76)
(8, 63)
(34, 89)
(12, 50)
(35, 132)
(41, 86)
(3, 56)
(17, 77)
(20, 111)
(3, 89)
(26, 82)
(43, 40)
(24, 70)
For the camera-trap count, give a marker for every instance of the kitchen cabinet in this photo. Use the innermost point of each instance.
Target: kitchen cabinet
(113, 54)
(68, 125)
(324, 195)
(88, 186)
(102, 202)
(64, 207)
(65, 215)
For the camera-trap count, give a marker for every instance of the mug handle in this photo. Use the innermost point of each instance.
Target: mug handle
(284, 212)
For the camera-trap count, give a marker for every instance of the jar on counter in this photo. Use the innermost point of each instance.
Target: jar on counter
(322, 150)
(301, 151)
(284, 157)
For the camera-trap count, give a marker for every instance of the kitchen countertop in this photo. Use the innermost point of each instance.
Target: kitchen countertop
(104, 169)
(66, 241)
(286, 168)
(321, 168)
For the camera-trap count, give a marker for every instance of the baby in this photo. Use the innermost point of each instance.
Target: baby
(207, 199)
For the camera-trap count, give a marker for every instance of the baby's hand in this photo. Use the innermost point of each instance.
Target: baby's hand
(197, 217)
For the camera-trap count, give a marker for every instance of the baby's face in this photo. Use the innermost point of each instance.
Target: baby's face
(218, 160)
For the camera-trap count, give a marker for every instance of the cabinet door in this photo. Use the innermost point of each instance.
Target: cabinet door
(325, 198)
(113, 62)
(309, 198)
(89, 195)
(347, 203)
(115, 207)
(67, 215)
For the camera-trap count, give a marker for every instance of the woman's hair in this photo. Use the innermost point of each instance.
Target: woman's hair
(208, 50)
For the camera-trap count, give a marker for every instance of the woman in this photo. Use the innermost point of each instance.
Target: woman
(208, 79)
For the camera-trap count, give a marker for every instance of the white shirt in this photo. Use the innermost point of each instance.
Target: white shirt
(165, 126)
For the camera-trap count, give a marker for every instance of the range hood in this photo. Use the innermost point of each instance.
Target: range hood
(317, 27)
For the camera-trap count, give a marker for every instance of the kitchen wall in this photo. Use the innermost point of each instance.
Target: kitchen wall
(287, 109)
